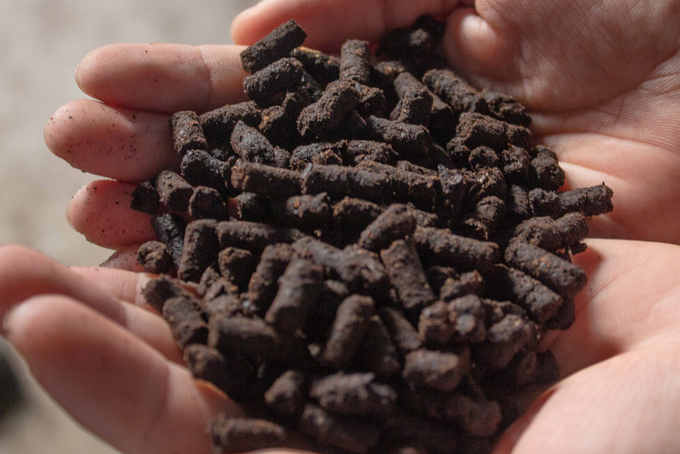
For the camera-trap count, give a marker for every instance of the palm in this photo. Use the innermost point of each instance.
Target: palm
(598, 78)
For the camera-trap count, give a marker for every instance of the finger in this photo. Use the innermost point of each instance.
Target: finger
(163, 78)
(125, 258)
(330, 24)
(114, 143)
(630, 300)
(25, 273)
(628, 404)
(101, 211)
(110, 382)
(121, 284)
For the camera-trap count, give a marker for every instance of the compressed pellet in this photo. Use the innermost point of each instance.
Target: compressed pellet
(521, 371)
(516, 165)
(590, 201)
(187, 133)
(303, 154)
(483, 183)
(276, 45)
(174, 191)
(199, 168)
(287, 393)
(349, 327)
(397, 222)
(145, 198)
(253, 236)
(497, 310)
(218, 124)
(414, 107)
(226, 175)
(183, 316)
(209, 277)
(355, 62)
(279, 76)
(461, 320)
(339, 182)
(243, 336)
(355, 213)
(482, 222)
(467, 283)
(371, 101)
(352, 434)
(360, 150)
(299, 289)
(440, 246)
(327, 158)
(483, 156)
(169, 229)
(503, 340)
(155, 257)
(324, 68)
(550, 234)
(379, 354)
(506, 108)
(437, 276)
(303, 211)
(199, 251)
(458, 152)
(236, 435)
(408, 166)
(546, 169)
(263, 284)
(478, 418)
(237, 265)
(409, 141)
(265, 181)
(326, 115)
(461, 96)
(453, 190)
(206, 203)
(279, 121)
(565, 317)
(544, 203)
(407, 276)
(253, 146)
(406, 186)
(232, 374)
(251, 207)
(355, 394)
(225, 305)
(476, 130)
(437, 370)
(559, 275)
(404, 335)
(425, 219)
(158, 290)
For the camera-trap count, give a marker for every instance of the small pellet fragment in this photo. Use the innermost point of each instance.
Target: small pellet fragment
(503, 340)
(506, 108)
(303, 211)
(209, 277)
(218, 124)
(482, 222)
(349, 327)
(169, 229)
(243, 336)
(253, 146)
(253, 236)
(461, 96)
(263, 284)
(590, 201)
(546, 169)
(279, 76)
(232, 375)
(352, 434)
(461, 321)
(237, 265)
(174, 191)
(453, 190)
(299, 289)
(516, 165)
(437, 370)
(407, 276)
(397, 222)
(187, 133)
(324, 68)
(276, 45)
(304, 154)
(355, 213)
(559, 275)
(355, 62)
(183, 316)
(158, 290)
(287, 394)
(265, 181)
(379, 356)
(467, 283)
(206, 203)
(326, 115)
(409, 141)
(199, 168)
(200, 249)
(155, 257)
(483, 156)
(145, 198)
(356, 394)
(442, 247)
(339, 182)
(237, 435)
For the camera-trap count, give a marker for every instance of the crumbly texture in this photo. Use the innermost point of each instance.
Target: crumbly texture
(367, 256)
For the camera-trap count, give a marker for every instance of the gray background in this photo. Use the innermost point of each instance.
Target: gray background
(41, 43)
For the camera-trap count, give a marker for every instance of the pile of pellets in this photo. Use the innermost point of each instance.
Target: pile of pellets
(374, 250)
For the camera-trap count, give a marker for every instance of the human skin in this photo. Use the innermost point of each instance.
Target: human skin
(602, 82)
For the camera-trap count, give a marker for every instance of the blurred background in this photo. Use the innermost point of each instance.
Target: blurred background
(41, 43)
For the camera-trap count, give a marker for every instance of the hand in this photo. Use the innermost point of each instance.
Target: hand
(618, 359)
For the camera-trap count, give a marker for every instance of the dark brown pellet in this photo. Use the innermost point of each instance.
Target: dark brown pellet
(546, 169)
(379, 355)
(409, 141)
(200, 249)
(552, 235)
(403, 334)
(304, 154)
(303, 211)
(483, 183)
(354, 213)
(482, 222)
(209, 277)
(460, 321)
(479, 418)
(236, 435)
(157, 291)
(352, 434)
(565, 317)
(232, 375)
(407, 276)
(453, 190)
(251, 207)
(414, 107)
(467, 283)
(145, 198)
(357, 151)
(397, 222)
(253, 146)
(475, 129)
(265, 181)
(263, 284)
(174, 191)
(506, 108)
(276, 45)
(206, 203)
(461, 96)
(253, 236)
(287, 394)
(169, 229)
(437, 276)
(184, 318)
(516, 165)
(326, 115)
(591, 201)
(356, 394)
(349, 327)
(237, 265)
(341, 182)
(218, 124)
(155, 257)
(355, 62)
(187, 133)
(482, 157)
(243, 336)
(406, 186)
(199, 168)
(436, 245)
(438, 437)
(503, 340)
(324, 68)
(437, 370)
(279, 76)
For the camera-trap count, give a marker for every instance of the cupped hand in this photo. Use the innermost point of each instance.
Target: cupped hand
(601, 81)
